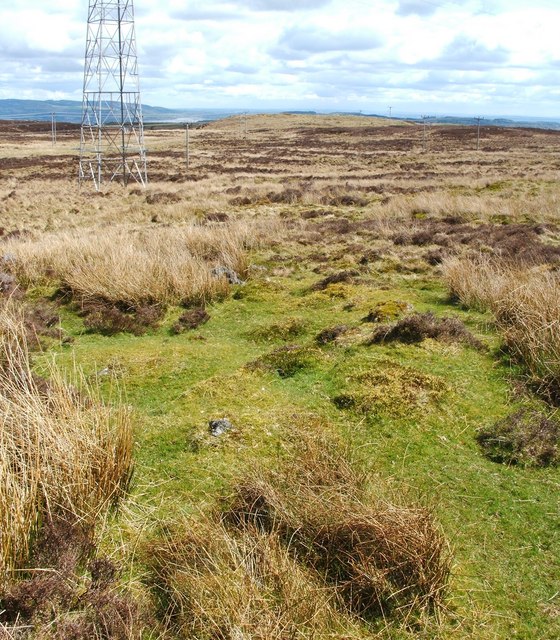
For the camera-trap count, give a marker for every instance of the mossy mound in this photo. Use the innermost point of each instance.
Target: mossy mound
(284, 330)
(387, 310)
(286, 361)
(391, 388)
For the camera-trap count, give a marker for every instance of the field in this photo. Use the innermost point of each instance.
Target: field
(370, 311)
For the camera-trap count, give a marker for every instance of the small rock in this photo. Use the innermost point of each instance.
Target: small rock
(219, 427)
(8, 284)
(229, 274)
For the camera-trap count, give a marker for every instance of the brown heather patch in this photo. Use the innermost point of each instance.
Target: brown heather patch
(419, 326)
(526, 437)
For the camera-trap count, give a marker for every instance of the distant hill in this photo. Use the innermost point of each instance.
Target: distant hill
(71, 111)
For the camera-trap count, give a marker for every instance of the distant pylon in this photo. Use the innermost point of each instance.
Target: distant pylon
(112, 132)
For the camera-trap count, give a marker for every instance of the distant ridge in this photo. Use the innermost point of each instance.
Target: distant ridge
(71, 111)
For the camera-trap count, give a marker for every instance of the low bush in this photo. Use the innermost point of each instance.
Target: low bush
(190, 319)
(526, 437)
(330, 334)
(69, 592)
(110, 319)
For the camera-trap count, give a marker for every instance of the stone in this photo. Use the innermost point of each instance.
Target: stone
(219, 427)
(229, 274)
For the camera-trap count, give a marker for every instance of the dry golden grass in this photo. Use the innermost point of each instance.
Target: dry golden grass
(526, 305)
(62, 453)
(285, 159)
(305, 552)
(139, 266)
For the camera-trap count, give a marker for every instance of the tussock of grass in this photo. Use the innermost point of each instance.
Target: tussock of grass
(138, 267)
(298, 553)
(61, 452)
(526, 306)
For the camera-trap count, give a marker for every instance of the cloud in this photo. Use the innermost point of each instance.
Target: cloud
(285, 5)
(466, 53)
(311, 40)
(416, 8)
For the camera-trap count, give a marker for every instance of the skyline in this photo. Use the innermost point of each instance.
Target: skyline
(463, 58)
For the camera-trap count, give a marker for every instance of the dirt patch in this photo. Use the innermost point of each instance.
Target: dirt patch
(109, 319)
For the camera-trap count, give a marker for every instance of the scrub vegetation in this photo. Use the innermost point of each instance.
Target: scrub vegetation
(307, 388)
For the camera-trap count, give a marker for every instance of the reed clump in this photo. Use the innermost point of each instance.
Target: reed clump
(139, 266)
(300, 552)
(526, 306)
(63, 452)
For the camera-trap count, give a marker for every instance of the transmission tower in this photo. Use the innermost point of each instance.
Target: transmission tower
(112, 132)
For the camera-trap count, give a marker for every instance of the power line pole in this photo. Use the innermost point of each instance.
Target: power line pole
(187, 147)
(112, 129)
(424, 132)
(478, 132)
(53, 128)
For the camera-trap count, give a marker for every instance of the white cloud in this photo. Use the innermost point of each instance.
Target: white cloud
(468, 55)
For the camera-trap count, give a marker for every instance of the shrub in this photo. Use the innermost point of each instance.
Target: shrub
(335, 278)
(69, 592)
(110, 319)
(330, 334)
(190, 319)
(526, 437)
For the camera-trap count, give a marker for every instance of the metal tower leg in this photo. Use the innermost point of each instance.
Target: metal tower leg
(112, 132)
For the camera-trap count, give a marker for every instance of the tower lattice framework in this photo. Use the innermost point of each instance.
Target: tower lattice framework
(112, 130)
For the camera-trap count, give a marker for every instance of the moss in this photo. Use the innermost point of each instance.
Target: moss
(390, 388)
(286, 361)
(283, 330)
(387, 310)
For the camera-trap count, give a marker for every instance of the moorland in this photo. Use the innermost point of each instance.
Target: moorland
(305, 387)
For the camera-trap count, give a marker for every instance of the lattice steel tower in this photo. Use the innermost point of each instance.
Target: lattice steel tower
(112, 132)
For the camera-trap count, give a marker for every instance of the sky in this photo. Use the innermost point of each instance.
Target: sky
(454, 57)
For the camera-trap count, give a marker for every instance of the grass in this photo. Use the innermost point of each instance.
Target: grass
(408, 432)
(65, 455)
(525, 304)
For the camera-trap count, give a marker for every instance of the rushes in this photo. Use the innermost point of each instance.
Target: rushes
(62, 454)
(526, 305)
(166, 265)
(304, 552)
